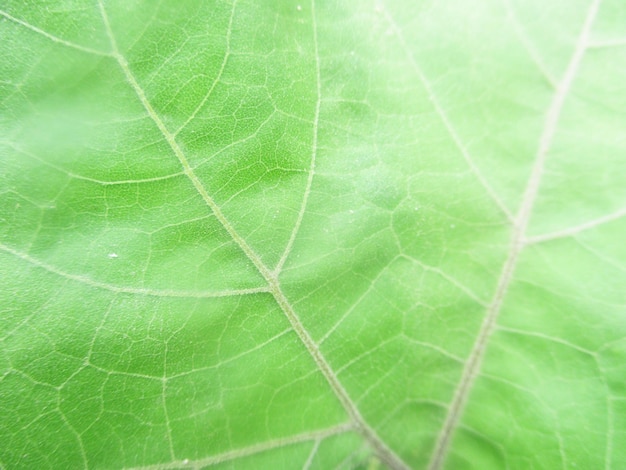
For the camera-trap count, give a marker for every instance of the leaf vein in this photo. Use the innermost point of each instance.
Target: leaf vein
(52, 37)
(527, 44)
(474, 361)
(217, 77)
(571, 231)
(444, 118)
(251, 450)
(316, 118)
(131, 290)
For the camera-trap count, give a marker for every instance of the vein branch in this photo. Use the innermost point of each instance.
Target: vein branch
(87, 178)
(444, 118)
(314, 436)
(571, 231)
(130, 290)
(316, 117)
(52, 37)
(219, 73)
(520, 226)
(527, 44)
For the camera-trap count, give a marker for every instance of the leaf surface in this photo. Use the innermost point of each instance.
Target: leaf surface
(313, 235)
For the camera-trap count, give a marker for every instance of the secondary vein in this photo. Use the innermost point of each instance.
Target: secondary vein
(447, 123)
(316, 118)
(253, 449)
(131, 290)
(52, 37)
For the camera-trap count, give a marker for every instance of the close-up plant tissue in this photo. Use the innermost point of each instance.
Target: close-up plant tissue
(322, 234)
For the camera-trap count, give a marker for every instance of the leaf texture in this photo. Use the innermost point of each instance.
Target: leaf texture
(243, 234)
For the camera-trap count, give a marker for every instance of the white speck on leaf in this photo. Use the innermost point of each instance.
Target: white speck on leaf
(113, 255)
(299, 7)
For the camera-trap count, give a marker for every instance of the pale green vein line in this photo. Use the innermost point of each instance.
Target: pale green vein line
(347, 463)
(476, 356)
(366, 431)
(35, 382)
(570, 232)
(373, 351)
(218, 76)
(166, 413)
(233, 144)
(608, 453)
(316, 118)
(443, 117)
(131, 290)
(311, 457)
(120, 182)
(53, 38)
(528, 391)
(233, 358)
(121, 373)
(251, 450)
(526, 42)
(451, 279)
(605, 259)
(434, 347)
(355, 304)
(179, 224)
(495, 443)
(565, 464)
(96, 333)
(552, 339)
(93, 180)
(77, 435)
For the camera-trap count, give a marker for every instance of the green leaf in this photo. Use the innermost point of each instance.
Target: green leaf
(313, 235)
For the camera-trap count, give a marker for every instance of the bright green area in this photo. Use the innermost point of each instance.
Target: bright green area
(181, 287)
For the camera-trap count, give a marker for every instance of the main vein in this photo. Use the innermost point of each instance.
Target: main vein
(271, 276)
(518, 242)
